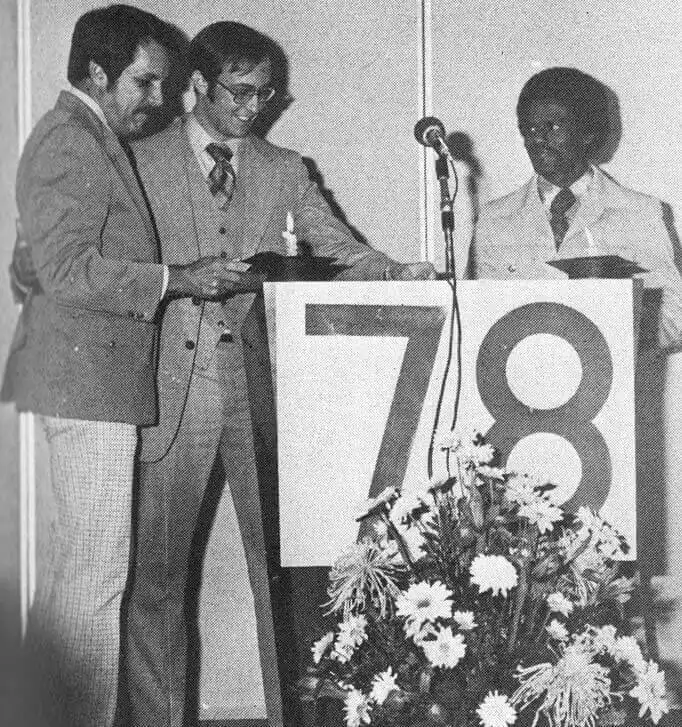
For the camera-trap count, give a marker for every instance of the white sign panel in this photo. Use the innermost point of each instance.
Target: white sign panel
(364, 371)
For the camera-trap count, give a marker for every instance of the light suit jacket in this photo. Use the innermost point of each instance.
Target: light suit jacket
(275, 182)
(513, 240)
(84, 345)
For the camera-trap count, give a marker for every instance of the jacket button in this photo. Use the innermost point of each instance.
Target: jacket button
(226, 337)
(222, 230)
(112, 344)
(189, 345)
(511, 268)
(131, 314)
(223, 254)
(195, 300)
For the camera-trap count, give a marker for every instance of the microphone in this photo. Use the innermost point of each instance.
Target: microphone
(430, 131)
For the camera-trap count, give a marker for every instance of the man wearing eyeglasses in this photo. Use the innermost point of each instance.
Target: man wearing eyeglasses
(215, 188)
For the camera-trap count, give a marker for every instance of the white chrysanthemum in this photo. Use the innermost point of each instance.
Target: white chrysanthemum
(357, 708)
(382, 685)
(425, 602)
(493, 573)
(465, 620)
(558, 603)
(319, 648)
(605, 639)
(557, 630)
(406, 504)
(542, 512)
(573, 691)
(381, 501)
(447, 439)
(494, 473)
(650, 692)
(353, 629)
(627, 649)
(520, 488)
(464, 445)
(588, 518)
(496, 711)
(418, 631)
(344, 648)
(447, 650)
(365, 571)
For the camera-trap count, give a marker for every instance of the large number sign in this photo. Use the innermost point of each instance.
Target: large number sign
(365, 370)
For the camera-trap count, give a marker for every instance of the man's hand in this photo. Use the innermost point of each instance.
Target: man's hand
(411, 271)
(208, 278)
(23, 270)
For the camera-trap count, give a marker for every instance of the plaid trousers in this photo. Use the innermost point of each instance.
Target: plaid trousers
(73, 636)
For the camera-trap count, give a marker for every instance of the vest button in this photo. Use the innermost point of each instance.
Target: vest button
(223, 254)
(189, 345)
(222, 230)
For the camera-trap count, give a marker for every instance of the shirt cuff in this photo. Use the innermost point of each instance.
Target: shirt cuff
(164, 285)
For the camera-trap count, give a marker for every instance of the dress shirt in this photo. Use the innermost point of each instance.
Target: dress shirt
(199, 139)
(549, 191)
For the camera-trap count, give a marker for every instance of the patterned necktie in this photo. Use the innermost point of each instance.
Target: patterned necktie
(558, 221)
(221, 179)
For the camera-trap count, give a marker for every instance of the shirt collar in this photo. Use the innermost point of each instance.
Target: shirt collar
(90, 102)
(199, 139)
(549, 191)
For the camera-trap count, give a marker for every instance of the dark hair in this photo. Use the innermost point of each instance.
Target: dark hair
(110, 37)
(239, 47)
(584, 96)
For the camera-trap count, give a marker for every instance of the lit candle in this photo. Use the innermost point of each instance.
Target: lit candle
(590, 240)
(290, 237)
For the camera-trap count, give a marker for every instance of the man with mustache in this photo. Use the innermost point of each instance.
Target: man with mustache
(570, 204)
(215, 188)
(83, 353)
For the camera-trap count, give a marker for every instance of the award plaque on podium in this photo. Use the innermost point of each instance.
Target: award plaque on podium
(597, 266)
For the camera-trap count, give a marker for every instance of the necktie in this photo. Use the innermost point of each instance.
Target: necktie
(221, 179)
(558, 221)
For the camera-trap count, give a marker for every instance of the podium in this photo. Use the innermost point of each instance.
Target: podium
(548, 374)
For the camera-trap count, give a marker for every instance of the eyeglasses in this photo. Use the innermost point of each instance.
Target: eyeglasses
(241, 95)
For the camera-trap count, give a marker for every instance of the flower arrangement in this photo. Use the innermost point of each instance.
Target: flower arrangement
(479, 602)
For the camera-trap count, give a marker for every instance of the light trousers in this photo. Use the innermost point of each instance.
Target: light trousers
(73, 636)
(160, 657)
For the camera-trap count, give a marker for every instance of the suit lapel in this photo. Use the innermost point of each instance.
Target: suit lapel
(261, 180)
(113, 149)
(529, 217)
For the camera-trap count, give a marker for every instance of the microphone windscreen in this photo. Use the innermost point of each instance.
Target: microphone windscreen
(423, 126)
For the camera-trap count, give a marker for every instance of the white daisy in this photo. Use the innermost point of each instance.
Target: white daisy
(353, 629)
(493, 573)
(542, 512)
(447, 650)
(425, 602)
(521, 489)
(496, 711)
(627, 649)
(320, 647)
(650, 692)
(382, 685)
(557, 630)
(558, 603)
(465, 620)
(357, 708)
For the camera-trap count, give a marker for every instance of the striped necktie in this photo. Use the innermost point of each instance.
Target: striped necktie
(221, 179)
